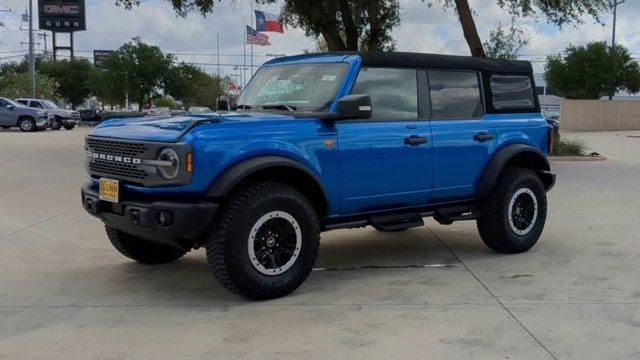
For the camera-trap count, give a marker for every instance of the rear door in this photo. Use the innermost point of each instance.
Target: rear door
(385, 161)
(463, 138)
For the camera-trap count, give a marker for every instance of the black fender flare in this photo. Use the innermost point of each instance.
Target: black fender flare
(502, 157)
(240, 171)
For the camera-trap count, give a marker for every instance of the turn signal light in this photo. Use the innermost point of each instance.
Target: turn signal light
(190, 162)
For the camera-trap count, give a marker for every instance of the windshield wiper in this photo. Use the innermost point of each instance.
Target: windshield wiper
(289, 108)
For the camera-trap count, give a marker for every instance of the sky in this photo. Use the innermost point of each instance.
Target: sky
(193, 38)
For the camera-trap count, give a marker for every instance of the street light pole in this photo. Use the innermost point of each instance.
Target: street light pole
(32, 61)
(613, 36)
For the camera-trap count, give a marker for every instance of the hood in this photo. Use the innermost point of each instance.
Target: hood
(171, 129)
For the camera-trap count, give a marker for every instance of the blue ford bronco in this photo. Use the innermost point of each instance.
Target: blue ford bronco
(321, 142)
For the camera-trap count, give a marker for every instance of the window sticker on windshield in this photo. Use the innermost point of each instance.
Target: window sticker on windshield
(329, 78)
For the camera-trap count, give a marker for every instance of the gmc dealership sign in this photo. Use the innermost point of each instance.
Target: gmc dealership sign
(61, 15)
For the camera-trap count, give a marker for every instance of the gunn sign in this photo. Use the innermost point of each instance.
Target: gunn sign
(62, 15)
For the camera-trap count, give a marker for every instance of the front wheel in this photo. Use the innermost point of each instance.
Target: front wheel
(140, 250)
(69, 126)
(27, 124)
(265, 241)
(514, 214)
(57, 123)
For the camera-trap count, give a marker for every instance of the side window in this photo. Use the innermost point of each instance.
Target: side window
(394, 92)
(23, 102)
(36, 104)
(512, 92)
(455, 94)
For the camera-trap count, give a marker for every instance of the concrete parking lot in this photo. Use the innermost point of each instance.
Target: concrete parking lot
(433, 292)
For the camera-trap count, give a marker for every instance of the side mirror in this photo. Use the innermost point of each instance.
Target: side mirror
(10, 107)
(354, 107)
(222, 105)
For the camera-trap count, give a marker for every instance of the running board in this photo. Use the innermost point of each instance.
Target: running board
(447, 216)
(396, 222)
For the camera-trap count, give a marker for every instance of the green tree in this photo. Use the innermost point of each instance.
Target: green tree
(557, 12)
(193, 86)
(589, 71)
(504, 43)
(139, 69)
(343, 24)
(72, 77)
(16, 85)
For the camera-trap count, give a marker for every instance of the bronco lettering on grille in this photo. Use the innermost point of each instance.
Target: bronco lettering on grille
(115, 158)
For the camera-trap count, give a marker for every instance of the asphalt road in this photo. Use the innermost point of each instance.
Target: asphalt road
(433, 292)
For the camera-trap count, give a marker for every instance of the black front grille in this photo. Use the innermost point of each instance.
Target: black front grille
(127, 171)
(114, 147)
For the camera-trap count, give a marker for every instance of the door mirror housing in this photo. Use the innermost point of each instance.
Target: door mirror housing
(354, 107)
(10, 107)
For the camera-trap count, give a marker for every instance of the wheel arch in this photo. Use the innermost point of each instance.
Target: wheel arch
(21, 117)
(516, 155)
(272, 168)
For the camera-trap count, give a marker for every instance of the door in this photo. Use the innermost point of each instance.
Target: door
(463, 138)
(385, 161)
(36, 104)
(6, 115)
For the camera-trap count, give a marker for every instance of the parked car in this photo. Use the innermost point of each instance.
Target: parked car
(13, 114)
(178, 112)
(159, 111)
(61, 117)
(322, 142)
(200, 110)
(90, 114)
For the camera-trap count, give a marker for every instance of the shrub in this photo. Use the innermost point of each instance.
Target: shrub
(569, 147)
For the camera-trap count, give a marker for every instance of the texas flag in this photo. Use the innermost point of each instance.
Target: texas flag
(268, 22)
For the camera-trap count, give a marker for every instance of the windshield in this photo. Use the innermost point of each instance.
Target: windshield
(50, 104)
(14, 103)
(308, 87)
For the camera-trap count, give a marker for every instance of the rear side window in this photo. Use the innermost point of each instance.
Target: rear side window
(454, 94)
(512, 92)
(393, 92)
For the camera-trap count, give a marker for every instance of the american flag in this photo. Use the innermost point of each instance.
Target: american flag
(256, 38)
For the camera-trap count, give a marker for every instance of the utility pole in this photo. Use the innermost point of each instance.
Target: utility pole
(613, 36)
(32, 61)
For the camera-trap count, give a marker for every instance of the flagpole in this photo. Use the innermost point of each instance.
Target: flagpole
(244, 57)
(251, 2)
(218, 53)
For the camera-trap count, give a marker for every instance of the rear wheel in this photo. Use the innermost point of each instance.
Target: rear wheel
(144, 251)
(265, 241)
(27, 124)
(514, 214)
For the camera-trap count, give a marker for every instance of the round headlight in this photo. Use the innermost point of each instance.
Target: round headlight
(170, 167)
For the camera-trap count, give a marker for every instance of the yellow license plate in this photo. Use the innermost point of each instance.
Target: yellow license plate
(109, 190)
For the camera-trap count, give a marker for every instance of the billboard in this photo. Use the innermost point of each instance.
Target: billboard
(100, 55)
(62, 15)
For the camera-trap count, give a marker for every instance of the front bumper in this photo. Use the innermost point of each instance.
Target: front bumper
(176, 223)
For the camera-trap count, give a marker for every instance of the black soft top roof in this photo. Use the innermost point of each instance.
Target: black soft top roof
(435, 61)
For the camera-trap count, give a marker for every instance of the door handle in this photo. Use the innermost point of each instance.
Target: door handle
(482, 137)
(415, 140)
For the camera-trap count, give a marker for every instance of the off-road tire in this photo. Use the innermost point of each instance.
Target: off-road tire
(494, 225)
(227, 248)
(24, 127)
(69, 126)
(143, 251)
(57, 123)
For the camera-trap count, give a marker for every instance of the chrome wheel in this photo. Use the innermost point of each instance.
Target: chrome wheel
(26, 125)
(523, 211)
(274, 243)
